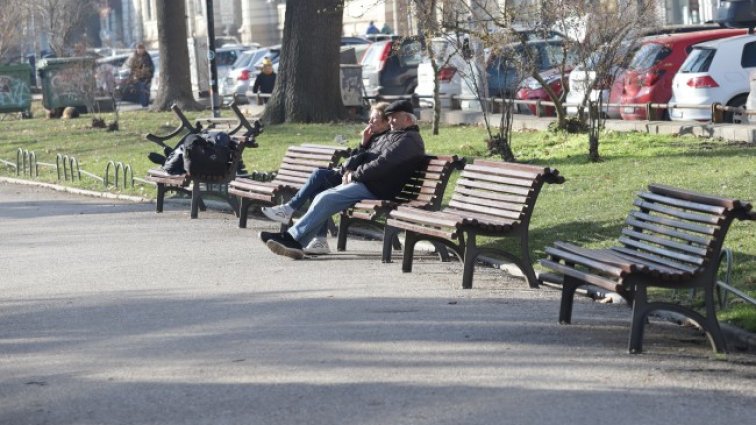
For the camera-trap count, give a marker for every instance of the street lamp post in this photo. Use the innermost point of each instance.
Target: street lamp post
(214, 98)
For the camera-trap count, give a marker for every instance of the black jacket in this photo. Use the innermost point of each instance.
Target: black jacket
(389, 162)
(264, 83)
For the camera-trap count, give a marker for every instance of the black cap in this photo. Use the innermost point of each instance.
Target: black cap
(400, 106)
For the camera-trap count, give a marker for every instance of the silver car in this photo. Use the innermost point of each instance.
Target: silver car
(243, 72)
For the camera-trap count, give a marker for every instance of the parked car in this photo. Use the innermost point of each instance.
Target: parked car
(649, 75)
(583, 79)
(531, 89)
(736, 13)
(453, 69)
(714, 72)
(750, 118)
(241, 75)
(504, 73)
(225, 57)
(106, 69)
(390, 67)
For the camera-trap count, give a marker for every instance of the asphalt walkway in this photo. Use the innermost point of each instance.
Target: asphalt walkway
(113, 314)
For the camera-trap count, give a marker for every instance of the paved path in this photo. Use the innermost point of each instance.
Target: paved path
(112, 314)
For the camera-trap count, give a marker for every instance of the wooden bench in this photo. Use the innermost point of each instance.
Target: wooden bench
(242, 135)
(491, 198)
(672, 240)
(297, 165)
(425, 190)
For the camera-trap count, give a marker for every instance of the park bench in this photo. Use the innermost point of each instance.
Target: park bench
(491, 198)
(673, 240)
(297, 165)
(425, 191)
(197, 186)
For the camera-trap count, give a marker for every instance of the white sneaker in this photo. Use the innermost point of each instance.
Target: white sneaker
(279, 213)
(317, 246)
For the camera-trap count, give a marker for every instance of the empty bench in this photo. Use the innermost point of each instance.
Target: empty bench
(297, 165)
(242, 135)
(491, 198)
(672, 240)
(425, 190)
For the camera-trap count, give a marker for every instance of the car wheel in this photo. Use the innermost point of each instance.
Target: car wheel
(736, 117)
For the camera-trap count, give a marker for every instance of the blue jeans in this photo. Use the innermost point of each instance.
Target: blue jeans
(325, 205)
(143, 90)
(320, 180)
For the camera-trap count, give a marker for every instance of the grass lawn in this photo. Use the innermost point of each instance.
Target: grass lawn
(588, 209)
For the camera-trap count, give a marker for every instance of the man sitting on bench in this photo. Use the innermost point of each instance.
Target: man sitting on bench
(380, 172)
(324, 179)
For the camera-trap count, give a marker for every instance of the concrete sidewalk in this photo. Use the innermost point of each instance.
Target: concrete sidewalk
(113, 314)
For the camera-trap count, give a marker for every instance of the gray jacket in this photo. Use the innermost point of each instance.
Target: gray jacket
(389, 162)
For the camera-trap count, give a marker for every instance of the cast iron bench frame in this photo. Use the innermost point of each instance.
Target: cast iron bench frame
(673, 240)
(166, 182)
(491, 198)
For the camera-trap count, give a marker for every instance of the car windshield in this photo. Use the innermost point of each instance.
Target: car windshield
(699, 60)
(227, 57)
(649, 55)
(243, 59)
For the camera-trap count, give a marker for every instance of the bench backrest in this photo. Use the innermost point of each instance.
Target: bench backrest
(677, 230)
(500, 189)
(427, 185)
(300, 161)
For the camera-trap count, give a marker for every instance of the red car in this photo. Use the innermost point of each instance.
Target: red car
(649, 76)
(531, 89)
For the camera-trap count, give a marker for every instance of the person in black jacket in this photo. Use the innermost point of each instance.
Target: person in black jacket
(380, 172)
(265, 81)
(324, 179)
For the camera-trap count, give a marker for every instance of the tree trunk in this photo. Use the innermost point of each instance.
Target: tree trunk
(308, 86)
(175, 85)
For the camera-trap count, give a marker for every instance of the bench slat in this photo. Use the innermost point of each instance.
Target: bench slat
(667, 231)
(421, 229)
(661, 251)
(593, 279)
(462, 182)
(731, 204)
(706, 230)
(466, 206)
(668, 267)
(481, 199)
(690, 249)
(609, 269)
(510, 168)
(676, 202)
(438, 218)
(497, 179)
(700, 218)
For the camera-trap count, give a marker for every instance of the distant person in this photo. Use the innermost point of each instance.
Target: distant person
(265, 81)
(386, 29)
(141, 70)
(372, 29)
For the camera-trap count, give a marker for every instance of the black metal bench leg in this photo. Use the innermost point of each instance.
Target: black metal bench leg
(389, 234)
(568, 295)
(196, 199)
(471, 254)
(343, 230)
(713, 331)
(442, 251)
(410, 239)
(244, 212)
(640, 311)
(526, 265)
(160, 197)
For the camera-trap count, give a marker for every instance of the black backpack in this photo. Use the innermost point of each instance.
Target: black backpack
(208, 155)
